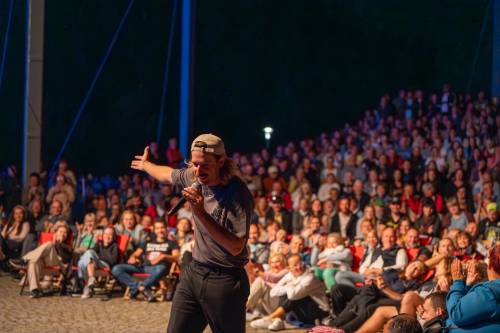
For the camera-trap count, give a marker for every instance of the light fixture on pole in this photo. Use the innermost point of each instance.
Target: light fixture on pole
(267, 135)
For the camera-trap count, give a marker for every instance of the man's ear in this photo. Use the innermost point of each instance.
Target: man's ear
(220, 161)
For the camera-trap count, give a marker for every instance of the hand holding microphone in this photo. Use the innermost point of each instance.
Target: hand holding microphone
(190, 194)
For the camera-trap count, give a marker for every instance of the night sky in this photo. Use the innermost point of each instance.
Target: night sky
(300, 66)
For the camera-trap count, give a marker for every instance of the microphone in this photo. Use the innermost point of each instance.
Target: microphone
(182, 201)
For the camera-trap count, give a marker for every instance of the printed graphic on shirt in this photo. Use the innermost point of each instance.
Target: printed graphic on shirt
(153, 250)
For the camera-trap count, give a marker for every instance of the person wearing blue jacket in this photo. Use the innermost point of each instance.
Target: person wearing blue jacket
(474, 308)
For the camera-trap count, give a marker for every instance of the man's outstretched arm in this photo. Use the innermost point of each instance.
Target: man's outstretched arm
(161, 173)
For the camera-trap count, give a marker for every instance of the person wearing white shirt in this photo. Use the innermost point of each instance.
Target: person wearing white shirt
(389, 256)
(301, 293)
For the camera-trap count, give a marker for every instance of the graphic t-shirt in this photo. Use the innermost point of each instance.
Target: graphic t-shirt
(153, 249)
(231, 207)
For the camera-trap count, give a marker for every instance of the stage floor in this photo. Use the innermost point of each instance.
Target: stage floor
(21, 314)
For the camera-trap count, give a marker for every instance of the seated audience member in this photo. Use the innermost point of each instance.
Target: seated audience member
(297, 246)
(260, 211)
(260, 301)
(158, 254)
(300, 293)
(183, 231)
(429, 223)
(103, 222)
(394, 218)
(146, 224)
(404, 226)
(344, 222)
(429, 191)
(432, 313)
(403, 323)
(13, 234)
(54, 253)
(63, 192)
(335, 257)
(456, 218)
(299, 216)
(414, 250)
(368, 217)
(388, 256)
(365, 228)
(279, 245)
(311, 231)
(386, 289)
(104, 254)
(466, 249)
(441, 259)
(259, 252)
(157, 209)
(128, 226)
(34, 190)
(87, 234)
(270, 232)
(475, 307)
(279, 191)
(54, 215)
(472, 229)
(489, 227)
(279, 214)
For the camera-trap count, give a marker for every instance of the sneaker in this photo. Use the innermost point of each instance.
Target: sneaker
(91, 282)
(276, 325)
(87, 293)
(149, 295)
(35, 293)
(262, 323)
(250, 316)
(17, 263)
(327, 321)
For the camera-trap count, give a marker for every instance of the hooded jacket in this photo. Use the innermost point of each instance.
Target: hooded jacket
(474, 309)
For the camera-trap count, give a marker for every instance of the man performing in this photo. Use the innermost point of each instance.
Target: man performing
(214, 287)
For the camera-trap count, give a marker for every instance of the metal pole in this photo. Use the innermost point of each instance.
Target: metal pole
(33, 88)
(185, 101)
(495, 66)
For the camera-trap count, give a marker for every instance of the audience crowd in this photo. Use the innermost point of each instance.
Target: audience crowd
(392, 221)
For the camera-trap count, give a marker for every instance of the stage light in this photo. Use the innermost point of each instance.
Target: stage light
(267, 134)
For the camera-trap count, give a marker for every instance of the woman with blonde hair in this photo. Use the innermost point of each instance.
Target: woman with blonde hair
(335, 257)
(260, 303)
(441, 262)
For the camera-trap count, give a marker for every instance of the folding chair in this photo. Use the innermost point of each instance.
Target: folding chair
(47, 270)
(105, 272)
(170, 279)
(357, 255)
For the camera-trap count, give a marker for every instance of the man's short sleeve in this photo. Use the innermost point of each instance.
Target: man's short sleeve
(182, 177)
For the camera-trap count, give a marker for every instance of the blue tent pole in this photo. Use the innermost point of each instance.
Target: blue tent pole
(185, 84)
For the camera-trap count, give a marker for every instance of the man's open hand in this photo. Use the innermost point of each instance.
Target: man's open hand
(138, 162)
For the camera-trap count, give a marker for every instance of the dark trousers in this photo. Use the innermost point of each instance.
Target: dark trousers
(10, 248)
(305, 310)
(212, 295)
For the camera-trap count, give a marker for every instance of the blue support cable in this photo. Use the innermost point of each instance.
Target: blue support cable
(166, 71)
(6, 40)
(91, 88)
(481, 33)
